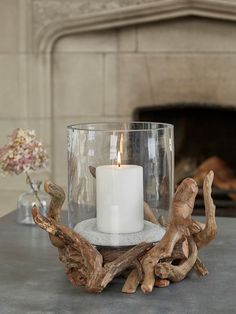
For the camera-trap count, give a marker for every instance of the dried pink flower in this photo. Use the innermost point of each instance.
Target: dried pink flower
(22, 153)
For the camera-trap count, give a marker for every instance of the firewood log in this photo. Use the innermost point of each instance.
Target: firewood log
(224, 177)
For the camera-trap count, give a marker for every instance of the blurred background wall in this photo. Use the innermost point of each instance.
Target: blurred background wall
(71, 61)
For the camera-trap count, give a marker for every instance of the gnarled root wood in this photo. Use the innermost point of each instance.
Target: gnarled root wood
(148, 264)
(84, 263)
(180, 225)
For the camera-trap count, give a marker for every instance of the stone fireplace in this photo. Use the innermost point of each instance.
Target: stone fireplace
(106, 75)
(201, 130)
(102, 60)
(204, 134)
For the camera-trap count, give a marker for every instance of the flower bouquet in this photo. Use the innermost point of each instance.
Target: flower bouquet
(24, 153)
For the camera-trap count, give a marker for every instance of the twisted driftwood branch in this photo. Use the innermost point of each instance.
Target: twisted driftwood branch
(148, 264)
(208, 233)
(179, 272)
(180, 220)
(84, 263)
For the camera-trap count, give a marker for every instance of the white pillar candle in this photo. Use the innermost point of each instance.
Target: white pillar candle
(119, 192)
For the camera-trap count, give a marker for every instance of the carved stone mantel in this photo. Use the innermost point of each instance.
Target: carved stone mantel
(50, 20)
(53, 19)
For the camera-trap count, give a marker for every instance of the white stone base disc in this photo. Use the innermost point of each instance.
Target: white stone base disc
(88, 229)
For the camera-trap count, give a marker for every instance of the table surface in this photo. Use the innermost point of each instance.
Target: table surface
(32, 279)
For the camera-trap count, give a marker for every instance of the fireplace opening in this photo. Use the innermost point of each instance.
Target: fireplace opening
(205, 138)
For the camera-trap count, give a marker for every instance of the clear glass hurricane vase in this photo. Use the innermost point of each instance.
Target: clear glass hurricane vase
(143, 144)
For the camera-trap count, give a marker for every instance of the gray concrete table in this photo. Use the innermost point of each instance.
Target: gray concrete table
(32, 279)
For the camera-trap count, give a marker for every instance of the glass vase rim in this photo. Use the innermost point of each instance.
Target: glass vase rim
(107, 126)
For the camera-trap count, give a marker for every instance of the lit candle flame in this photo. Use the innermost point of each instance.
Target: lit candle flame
(118, 159)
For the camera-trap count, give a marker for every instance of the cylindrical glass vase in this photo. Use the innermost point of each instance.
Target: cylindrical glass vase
(119, 176)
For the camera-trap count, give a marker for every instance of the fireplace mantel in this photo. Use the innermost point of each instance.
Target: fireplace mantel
(53, 19)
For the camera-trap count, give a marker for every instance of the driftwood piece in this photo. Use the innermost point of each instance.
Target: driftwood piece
(178, 272)
(132, 282)
(57, 199)
(180, 252)
(180, 219)
(91, 273)
(162, 221)
(208, 233)
(149, 215)
(161, 283)
(200, 268)
(148, 264)
(90, 258)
